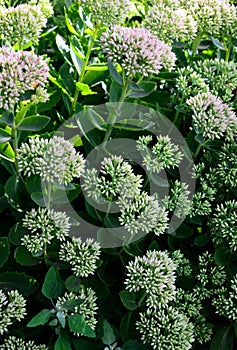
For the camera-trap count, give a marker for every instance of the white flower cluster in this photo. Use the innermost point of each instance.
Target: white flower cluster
(87, 307)
(12, 308)
(153, 273)
(166, 329)
(14, 343)
(44, 225)
(164, 154)
(115, 178)
(82, 256)
(55, 160)
(143, 213)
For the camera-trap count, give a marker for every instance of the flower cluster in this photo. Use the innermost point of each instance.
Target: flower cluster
(55, 160)
(178, 199)
(82, 256)
(210, 275)
(153, 273)
(170, 24)
(214, 75)
(163, 155)
(44, 225)
(189, 304)
(116, 178)
(225, 301)
(227, 165)
(87, 307)
(211, 117)
(143, 213)
(166, 329)
(223, 224)
(207, 14)
(14, 343)
(19, 72)
(137, 50)
(22, 24)
(12, 307)
(106, 12)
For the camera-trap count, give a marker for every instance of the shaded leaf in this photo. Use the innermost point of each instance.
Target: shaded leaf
(53, 284)
(40, 319)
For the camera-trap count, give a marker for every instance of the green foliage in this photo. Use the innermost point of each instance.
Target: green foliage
(107, 230)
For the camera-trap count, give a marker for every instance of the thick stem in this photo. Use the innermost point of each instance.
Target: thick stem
(228, 51)
(15, 145)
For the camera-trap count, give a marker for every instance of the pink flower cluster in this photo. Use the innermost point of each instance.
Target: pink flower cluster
(213, 118)
(19, 72)
(137, 50)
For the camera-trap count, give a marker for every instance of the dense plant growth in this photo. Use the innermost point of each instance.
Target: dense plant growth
(118, 186)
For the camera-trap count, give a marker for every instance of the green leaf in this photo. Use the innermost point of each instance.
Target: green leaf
(61, 318)
(85, 89)
(77, 48)
(146, 88)
(81, 344)
(62, 344)
(217, 43)
(53, 284)
(25, 284)
(24, 257)
(63, 48)
(128, 299)
(6, 152)
(39, 199)
(201, 240)
(115, 92)
(7, 118)
(134, 345)
(73, 283)
(98, 67)
(4, 135)
(222, 256)
(4, 250)
(40, 319)
(69, 24)
(223, 339)
(182, 231)
(78, 62)
(109, 337)
(114, 74)
(34, 123)
(77, 324)
(16, 233)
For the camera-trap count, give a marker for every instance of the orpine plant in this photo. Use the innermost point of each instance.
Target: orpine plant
(82, 256)
(107, 13)
(153, 274)
(166, 329)
(21, 71)
(115, 179)
(87, 308)
(14, 343)
(55, 160)
(43, 226)
(21, 26)
(171, 24)
(137, 50)
(143, 213)
(12, 308)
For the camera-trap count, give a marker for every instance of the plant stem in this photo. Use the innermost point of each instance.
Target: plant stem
(228, 51)
(15, 145)
(112, 119)
(85, 63)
